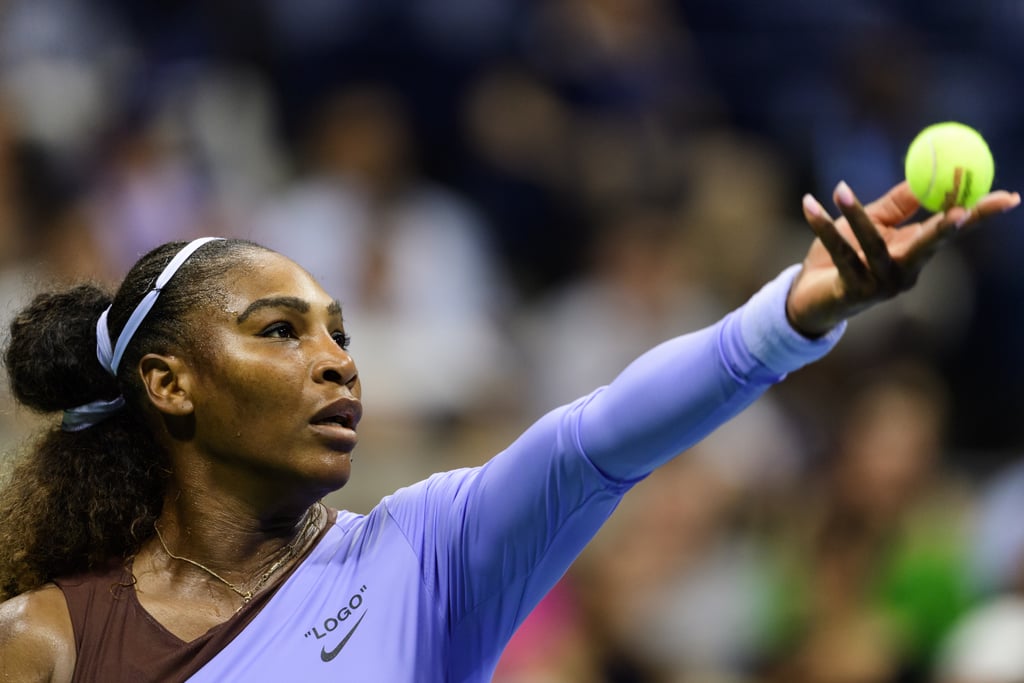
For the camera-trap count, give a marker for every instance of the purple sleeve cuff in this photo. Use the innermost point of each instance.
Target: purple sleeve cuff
(770, 337)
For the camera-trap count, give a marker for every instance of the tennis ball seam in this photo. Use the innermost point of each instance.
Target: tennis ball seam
(935, 167)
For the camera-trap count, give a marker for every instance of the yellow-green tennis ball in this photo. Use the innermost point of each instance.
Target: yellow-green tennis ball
(949, 164)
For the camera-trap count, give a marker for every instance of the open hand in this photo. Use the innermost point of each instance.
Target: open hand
(869, 255)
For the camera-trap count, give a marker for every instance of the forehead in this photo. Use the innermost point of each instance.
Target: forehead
(268, 274)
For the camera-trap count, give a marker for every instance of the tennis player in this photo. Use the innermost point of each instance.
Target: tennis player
(170, 527)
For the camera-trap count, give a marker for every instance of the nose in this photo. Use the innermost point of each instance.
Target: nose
(336, 366)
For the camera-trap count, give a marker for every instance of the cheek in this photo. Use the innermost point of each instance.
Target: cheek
(250, 398)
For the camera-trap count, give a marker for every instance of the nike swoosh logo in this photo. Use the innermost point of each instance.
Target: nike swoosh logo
(328, 656)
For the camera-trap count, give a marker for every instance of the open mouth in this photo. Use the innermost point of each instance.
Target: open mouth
(344, 413)
(345, 421)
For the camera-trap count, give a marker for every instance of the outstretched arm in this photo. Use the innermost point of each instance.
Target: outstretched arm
(675, 394)
(522, 518)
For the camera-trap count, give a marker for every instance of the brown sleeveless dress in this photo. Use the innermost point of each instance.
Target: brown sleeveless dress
(117, 641)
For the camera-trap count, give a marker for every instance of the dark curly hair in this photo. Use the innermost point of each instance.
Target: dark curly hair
(75, 501)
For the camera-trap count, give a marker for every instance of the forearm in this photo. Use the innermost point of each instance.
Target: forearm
(677, 393)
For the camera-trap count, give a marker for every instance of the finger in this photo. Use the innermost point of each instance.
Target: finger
(992, 204)
(941, 228)
(895, 206)
(844, 256)
(876, 252)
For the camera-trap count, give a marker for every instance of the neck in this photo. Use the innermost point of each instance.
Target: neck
(232, 541)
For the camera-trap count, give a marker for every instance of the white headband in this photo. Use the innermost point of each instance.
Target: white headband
(109, 355)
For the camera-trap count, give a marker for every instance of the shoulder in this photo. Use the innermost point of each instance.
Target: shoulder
(37, 642)
(441, 488)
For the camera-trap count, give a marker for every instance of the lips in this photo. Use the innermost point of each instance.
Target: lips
(335, 424)
(344, 412)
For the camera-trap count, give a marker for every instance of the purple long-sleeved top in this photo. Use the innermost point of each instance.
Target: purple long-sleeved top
(431, 584)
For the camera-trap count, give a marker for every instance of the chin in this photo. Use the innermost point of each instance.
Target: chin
(335, 471)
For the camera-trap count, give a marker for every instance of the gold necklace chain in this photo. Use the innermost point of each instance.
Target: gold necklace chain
(312, 523)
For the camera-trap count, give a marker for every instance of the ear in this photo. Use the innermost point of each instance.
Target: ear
(167, 382)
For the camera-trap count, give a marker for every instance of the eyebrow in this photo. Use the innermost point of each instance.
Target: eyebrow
(295, 303)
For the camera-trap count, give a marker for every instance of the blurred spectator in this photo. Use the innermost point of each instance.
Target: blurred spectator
(618, 56)
(519, 167)
(873, 568)
(552, 645)
(229, 120)
(638, 290)
(149, 189)
(64, 64)
(985, 646)
(737, 208)
(998, 535)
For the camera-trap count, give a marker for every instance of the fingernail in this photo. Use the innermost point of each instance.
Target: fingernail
(812, 206)
(959, 222)
(845, 194)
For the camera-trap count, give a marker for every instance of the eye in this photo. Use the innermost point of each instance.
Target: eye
(279, 330)
(342, 339)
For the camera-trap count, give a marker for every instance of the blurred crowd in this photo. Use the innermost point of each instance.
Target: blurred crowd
(512, 198)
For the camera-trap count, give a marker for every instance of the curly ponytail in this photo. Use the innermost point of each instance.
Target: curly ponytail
(51, 357)
(79, 500)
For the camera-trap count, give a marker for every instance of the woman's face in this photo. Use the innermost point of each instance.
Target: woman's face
(275, 393)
